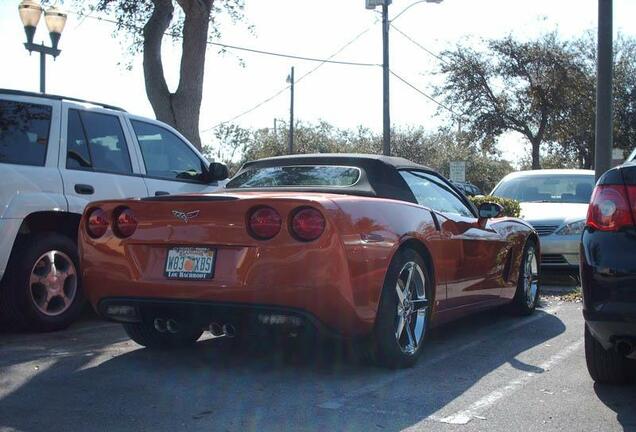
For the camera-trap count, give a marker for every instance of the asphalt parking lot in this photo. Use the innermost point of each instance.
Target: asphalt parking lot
(489, 372)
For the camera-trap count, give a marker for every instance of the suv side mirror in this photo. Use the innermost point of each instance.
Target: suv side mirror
(489, 210)
(217, 172)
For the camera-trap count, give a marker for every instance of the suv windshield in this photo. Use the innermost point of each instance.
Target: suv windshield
(559, 188)
(290, 176)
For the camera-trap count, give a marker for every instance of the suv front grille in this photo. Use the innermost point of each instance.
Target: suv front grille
(544, 230)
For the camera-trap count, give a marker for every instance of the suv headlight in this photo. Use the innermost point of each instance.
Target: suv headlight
(572, 228)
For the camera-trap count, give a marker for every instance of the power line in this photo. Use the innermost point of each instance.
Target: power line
(419, 45)
(281, 91)
(425, 95)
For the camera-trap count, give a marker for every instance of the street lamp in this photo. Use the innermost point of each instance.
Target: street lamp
(30, 13)
(291, 81)
(386, 24)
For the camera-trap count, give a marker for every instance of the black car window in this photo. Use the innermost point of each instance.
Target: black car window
(166, 155)
(95, 141)
(431, 193)
(24, 132)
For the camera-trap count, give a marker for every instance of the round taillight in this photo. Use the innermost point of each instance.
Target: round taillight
(125, 222)
(307, 224)
(264, 223)
(97, 223)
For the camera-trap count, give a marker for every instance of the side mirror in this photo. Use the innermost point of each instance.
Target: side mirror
(489, 210)
(217, 172)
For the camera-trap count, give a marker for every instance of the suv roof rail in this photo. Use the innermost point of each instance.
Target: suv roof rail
(60, 98)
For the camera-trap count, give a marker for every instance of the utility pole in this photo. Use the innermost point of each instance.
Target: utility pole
(290, 80)
(604, 137)
(386, 104)
(275, 132)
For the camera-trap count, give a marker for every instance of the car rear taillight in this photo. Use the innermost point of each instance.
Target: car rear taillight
(307, 224)
(609, 208)
(264, 223)
(97, 223)
(124, 222)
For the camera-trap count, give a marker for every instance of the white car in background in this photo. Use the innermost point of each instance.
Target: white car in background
(56, 155)
(555, 203)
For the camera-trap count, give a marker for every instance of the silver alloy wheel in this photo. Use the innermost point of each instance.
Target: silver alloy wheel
(531, 277)
(412, 307)
(53, 283)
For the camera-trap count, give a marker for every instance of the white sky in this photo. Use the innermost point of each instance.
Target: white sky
(345, 96)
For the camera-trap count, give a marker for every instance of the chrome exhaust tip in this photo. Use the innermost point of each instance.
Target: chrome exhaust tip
(216, 329)
(160, 325)
(229, 330)
(172, 326)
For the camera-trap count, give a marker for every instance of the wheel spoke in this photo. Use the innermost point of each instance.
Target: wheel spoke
(400, 327)
(409, 333)
(399, 288)
(409, 278)
(419, 304)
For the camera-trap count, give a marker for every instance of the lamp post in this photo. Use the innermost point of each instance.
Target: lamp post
(386, 102)
(291, 81)
(30, 13)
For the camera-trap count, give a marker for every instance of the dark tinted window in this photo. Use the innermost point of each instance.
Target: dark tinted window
(24, 132)
(432, 193)
(96, 141)
(166, 155)
(290, 176)
(77, 154)
(560, 188)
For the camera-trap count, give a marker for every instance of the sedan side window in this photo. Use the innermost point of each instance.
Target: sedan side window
(165, 155)
(433, 195)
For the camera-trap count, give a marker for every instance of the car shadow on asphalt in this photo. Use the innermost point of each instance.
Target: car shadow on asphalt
(621, 400)
(217, 385)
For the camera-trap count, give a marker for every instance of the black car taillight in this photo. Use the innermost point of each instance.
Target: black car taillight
(610, 208)
(97, 223)
(124, 222)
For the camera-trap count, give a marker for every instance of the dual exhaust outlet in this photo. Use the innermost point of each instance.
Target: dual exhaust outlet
(625, 347)
(172, 326)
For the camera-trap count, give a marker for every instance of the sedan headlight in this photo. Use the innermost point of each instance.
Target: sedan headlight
(573, 228)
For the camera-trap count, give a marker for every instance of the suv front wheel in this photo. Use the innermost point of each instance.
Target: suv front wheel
(43, 287)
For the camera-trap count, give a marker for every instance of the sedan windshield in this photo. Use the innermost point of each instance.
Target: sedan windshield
(296, 176)
(558, 188)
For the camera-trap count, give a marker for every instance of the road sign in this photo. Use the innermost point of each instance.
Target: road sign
(458, 171)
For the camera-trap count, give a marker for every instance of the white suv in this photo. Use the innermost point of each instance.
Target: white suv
(57, 155)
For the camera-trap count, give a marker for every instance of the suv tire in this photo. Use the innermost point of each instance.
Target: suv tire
(42, 289)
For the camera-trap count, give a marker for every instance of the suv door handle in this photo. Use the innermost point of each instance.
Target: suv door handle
(84, 189)
(161, 193)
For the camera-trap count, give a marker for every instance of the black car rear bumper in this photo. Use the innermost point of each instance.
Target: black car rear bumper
(608, 280)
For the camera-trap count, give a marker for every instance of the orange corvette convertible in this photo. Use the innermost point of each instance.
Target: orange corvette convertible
(346, 245)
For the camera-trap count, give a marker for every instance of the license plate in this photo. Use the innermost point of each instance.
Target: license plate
(196, 263)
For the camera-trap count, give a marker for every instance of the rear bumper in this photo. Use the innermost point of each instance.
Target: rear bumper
(608, 280)
(203, 313)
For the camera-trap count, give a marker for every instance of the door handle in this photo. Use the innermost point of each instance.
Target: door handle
(161, 193)
(84, 189)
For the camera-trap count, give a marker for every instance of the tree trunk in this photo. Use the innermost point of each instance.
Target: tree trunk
(181, 109)
(536, 154)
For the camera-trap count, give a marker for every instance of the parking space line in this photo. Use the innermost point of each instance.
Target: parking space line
(339, 402)
(477, 408)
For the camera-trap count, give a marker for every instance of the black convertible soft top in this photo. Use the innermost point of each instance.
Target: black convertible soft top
(379, 174)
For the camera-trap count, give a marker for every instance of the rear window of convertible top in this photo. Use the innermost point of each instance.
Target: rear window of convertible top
(296, 176)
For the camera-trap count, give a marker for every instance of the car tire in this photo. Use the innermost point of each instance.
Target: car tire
(402, 320)
(146, 335)
(604, 366)
(528, 291)
(42, 289)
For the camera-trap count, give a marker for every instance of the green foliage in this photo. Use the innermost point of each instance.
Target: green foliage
(237, 145)
(511, 207)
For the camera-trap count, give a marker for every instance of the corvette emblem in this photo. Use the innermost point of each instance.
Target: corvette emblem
(185, 217)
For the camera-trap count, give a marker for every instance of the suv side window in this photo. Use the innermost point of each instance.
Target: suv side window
(96, 142)
(431, 193)
(165, 155)
(24, 132)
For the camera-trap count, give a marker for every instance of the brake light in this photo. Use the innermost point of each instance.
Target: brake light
(307, 224)
(264, 223)
(609, 208)
(124, 222)
(97, 223)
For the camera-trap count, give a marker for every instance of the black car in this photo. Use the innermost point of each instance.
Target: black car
(468, 188)
(608, 277)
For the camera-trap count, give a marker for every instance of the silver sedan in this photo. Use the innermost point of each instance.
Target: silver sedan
(555, 203)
